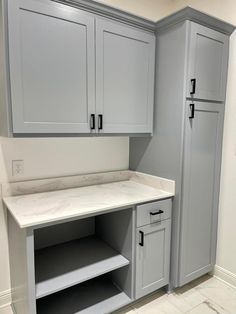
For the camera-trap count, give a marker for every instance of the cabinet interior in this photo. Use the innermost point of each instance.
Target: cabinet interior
(89, 260)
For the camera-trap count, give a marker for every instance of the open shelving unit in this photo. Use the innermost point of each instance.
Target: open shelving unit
(85, 266)
(67, 264)
(95, 296)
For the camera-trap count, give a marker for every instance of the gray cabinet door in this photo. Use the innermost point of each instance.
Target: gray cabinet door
(152, 259)
(52, 67)
(124, 77)
(202, 159)
(208, 55)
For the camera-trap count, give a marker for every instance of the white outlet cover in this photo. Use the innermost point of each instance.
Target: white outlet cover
(17, 168)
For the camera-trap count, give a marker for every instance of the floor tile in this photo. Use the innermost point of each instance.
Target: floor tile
(220, 293)
(157, 304)
(208, 307)
(186, 298)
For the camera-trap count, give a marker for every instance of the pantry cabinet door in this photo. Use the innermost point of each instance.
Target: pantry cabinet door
(202, 160)
(52, 67)
(124, 77)
(208, 55)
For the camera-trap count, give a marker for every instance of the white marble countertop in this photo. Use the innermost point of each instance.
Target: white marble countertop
(128, 189)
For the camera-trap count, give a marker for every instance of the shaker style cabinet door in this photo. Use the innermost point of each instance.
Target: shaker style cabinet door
(202, 160)
(125, 60)
(208, 57)
(52, 67)
(152, 257)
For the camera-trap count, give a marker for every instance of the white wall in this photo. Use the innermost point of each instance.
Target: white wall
(44, 158)
(225, 10)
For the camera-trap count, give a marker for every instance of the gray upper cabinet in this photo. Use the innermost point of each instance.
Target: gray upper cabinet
(125, 60)
(52, 71)
(202, 150)
(71, 71)
(208, 55)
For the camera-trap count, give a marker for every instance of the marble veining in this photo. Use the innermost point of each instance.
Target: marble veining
(44, 207)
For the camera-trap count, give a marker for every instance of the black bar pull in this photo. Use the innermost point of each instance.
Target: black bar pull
(157, 213)
(141, 243)
(100, 122)
(193, 84)
(192, 111)
(92, 121)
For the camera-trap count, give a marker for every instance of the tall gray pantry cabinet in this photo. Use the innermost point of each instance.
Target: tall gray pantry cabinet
(191, 71)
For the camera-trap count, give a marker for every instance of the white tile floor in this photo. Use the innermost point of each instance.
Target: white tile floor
(206, 295)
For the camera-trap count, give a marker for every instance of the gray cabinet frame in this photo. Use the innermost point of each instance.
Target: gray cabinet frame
(164, 154)
(65, 14)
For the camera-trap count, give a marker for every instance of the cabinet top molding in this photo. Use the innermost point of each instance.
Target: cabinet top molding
(191, 14)
(114, 13)
(186, 13)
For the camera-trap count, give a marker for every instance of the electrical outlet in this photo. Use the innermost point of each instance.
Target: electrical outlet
(17, 168)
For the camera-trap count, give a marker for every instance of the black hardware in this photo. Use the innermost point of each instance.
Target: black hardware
(192, 109)
(100, 122)
(193, 84)
(141, 243)
(92, 121)
(157, 213)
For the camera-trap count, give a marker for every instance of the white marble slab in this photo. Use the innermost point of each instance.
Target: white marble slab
(127, 189)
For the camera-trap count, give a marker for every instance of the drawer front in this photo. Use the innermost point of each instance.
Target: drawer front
(153, 212)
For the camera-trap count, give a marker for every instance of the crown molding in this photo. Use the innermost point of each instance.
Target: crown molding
(199, 17)
(111, 12)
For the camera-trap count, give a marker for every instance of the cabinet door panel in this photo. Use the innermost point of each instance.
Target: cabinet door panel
(152, 259)
(125, 77)
(51, 67)
(207, 62)
(203, 137)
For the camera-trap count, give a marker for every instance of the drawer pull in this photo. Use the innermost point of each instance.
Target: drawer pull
(157, 213)
(141, 243)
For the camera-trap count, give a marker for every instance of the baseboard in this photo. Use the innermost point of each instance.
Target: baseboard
(5, 298)
(225, 276)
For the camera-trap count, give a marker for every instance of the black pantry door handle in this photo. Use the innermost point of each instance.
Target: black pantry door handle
(141, 242)
(92, 121)
(192, 111)
(193, 84)
(100, 122)
(156, 213)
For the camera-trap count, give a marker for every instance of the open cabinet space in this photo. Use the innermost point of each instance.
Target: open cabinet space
(99, 295)
(68, 271)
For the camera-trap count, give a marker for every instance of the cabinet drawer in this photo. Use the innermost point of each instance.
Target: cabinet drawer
(153, 212)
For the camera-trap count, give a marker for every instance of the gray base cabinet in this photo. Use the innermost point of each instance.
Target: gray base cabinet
(152, 257)
(89, 265)
(188, 127)
(153, 235)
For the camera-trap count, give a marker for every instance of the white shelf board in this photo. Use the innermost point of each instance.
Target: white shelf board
(67, 264)
(95, 296)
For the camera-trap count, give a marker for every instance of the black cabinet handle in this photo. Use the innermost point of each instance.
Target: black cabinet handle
(193, 83)
(141, 243)
(157, 213)
(192, 109)
(92, 121)
(100, 122)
